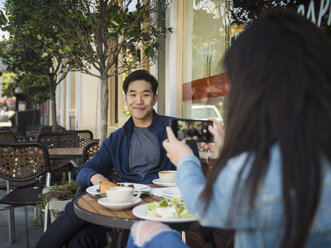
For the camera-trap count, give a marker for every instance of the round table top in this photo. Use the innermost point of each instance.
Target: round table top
(87, 208)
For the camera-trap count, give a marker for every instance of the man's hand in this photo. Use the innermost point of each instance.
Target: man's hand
(97, 178)
(175, 149)
(218, 132)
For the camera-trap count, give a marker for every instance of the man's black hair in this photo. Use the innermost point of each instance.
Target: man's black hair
(140, 75)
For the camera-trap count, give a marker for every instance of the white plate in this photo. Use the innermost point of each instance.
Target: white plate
(159, 183)
(140, 212)
(171, 193)
(94, 190)
(141, 187)
(117, 206)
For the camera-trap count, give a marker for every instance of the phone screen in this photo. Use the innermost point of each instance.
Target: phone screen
(191, 129)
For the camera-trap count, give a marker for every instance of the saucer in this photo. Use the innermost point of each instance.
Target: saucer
(159, 183)
(94, 190)
(137, 186)
(117, 206)
(171, 193)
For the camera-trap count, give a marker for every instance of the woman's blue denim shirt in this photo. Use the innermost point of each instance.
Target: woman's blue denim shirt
(260, 226)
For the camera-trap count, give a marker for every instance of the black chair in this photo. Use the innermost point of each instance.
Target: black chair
(59, 140)
(22, 162)
(90, 148)
(89, 151)
(49, 129)
(84, 136)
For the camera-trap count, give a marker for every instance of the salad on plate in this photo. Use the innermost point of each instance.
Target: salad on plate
(173, 208)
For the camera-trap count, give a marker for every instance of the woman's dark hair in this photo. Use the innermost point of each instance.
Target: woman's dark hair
(279, 69)
(140, 75)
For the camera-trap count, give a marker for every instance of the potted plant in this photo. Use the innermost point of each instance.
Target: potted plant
(57, 197)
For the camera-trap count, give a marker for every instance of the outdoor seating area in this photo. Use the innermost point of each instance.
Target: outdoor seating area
(165, 123)
(24, 180)
(64, 149)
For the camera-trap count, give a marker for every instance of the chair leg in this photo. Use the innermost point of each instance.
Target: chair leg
(183, 236)
(27, 227)
(46, 213)
(11, 225)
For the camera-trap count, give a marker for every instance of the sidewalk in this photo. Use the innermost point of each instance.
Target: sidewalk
(34, 232)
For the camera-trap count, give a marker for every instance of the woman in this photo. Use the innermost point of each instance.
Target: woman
(272, 181)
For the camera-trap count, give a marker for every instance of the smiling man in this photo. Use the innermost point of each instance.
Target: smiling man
(134, 151)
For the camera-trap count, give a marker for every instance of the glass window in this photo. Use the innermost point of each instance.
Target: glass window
(206, 38)
(209, 28)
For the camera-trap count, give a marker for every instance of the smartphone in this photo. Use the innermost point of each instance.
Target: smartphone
(192, 129)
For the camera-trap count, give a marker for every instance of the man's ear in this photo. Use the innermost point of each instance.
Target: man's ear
(125, 100)
(156, 97)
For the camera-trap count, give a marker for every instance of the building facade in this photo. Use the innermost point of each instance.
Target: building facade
(193, 83)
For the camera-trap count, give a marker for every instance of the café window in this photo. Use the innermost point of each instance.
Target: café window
(210, 26)
(206, 38)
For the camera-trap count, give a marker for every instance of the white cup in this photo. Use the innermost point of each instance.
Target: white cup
(122, 194)
(167, 176)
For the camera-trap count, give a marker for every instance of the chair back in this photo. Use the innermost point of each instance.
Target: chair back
(7, 136)
(90, 148)
(48, 129)
(23, 161)
(84, 136)
(58, 139)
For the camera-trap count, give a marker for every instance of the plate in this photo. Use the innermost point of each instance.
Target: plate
(94, 190)
(171, 193)
(117, 206)
(141, 187)
(159, 183)
(140, 212)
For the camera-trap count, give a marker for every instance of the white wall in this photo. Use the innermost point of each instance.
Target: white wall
(170, 61)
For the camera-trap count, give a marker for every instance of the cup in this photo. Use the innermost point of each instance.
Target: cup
(167, 176)
(122, 194)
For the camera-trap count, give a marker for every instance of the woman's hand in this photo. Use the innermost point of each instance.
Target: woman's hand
(218, 131)
(175, 149)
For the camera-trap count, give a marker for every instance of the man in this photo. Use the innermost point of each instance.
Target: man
(192, 132)
(135, 151)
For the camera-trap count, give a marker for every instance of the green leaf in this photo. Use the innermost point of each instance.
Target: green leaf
(114, 22)
(39, 37)
(149, 51)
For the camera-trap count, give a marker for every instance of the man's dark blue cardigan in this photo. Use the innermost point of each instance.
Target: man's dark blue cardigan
(114, 153)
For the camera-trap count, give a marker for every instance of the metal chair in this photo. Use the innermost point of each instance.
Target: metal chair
(21, 162)
(6, 135)
(90, 148)
(59, 140)
(49, 129)
(84, 136)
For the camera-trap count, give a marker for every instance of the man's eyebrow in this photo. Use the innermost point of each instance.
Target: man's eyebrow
(147, 90)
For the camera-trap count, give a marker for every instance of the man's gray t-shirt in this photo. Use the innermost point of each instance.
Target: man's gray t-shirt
(144, 151)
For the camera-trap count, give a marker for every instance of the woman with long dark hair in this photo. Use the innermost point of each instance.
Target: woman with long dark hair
(272, 180)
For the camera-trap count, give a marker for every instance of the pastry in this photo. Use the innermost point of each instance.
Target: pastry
(106, 185)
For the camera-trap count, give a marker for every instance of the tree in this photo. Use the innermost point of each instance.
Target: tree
(36, 47)
(104, 29)
(8, 85)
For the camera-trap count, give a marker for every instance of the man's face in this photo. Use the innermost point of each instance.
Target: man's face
(140, 101)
